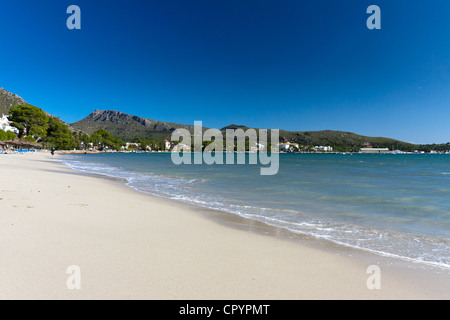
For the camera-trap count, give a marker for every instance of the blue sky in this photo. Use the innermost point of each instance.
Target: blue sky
(288, 64)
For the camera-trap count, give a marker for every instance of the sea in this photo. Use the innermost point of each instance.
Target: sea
(397, 205)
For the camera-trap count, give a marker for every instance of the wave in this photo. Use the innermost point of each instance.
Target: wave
(416, 248)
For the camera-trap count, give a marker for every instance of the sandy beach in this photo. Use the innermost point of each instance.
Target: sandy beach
(129, 245)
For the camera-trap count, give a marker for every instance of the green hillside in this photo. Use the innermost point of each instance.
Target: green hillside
(128, 127)
(342, 141)
(339, 140)
(9, 100)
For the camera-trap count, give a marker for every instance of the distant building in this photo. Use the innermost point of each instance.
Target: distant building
(257, 147)
(287, 146)
(167, 144)
(5, 125)
(323, 148)
(181, 147)
(127, 146)
(374, 150)
(260, 147)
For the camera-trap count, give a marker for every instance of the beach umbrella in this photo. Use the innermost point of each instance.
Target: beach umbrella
(12, 142)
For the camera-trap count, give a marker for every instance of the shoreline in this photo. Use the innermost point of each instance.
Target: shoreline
(222, 215)
(153, 248)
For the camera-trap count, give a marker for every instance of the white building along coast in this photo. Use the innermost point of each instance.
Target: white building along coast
(5, 125)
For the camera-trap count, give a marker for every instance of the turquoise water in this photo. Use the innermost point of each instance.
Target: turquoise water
(396, 205)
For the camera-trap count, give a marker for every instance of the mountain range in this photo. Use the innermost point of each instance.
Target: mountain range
(128, 127)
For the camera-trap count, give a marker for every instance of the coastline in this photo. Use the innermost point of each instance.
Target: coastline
(130, 245)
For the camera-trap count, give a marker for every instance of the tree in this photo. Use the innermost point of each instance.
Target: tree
(83, 140)
(29, 120)
(59, 135)
(146, 142)
(103, 138)
(8, 135)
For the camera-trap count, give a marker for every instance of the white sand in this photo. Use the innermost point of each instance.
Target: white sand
(129, 245)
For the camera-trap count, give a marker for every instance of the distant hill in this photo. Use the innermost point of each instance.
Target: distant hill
(342, 140)
(127, 127)
(9, 100)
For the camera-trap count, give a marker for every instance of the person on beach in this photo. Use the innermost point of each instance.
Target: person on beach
(52, 152)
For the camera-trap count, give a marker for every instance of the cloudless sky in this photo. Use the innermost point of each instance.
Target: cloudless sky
(276, 64)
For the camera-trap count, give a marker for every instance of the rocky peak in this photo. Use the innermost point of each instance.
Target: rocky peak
(9, 100)
(118, 117)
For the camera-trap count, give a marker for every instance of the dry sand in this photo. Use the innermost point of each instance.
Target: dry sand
(129, 245)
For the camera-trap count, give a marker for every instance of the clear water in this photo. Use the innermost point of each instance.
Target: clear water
(396, 205)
